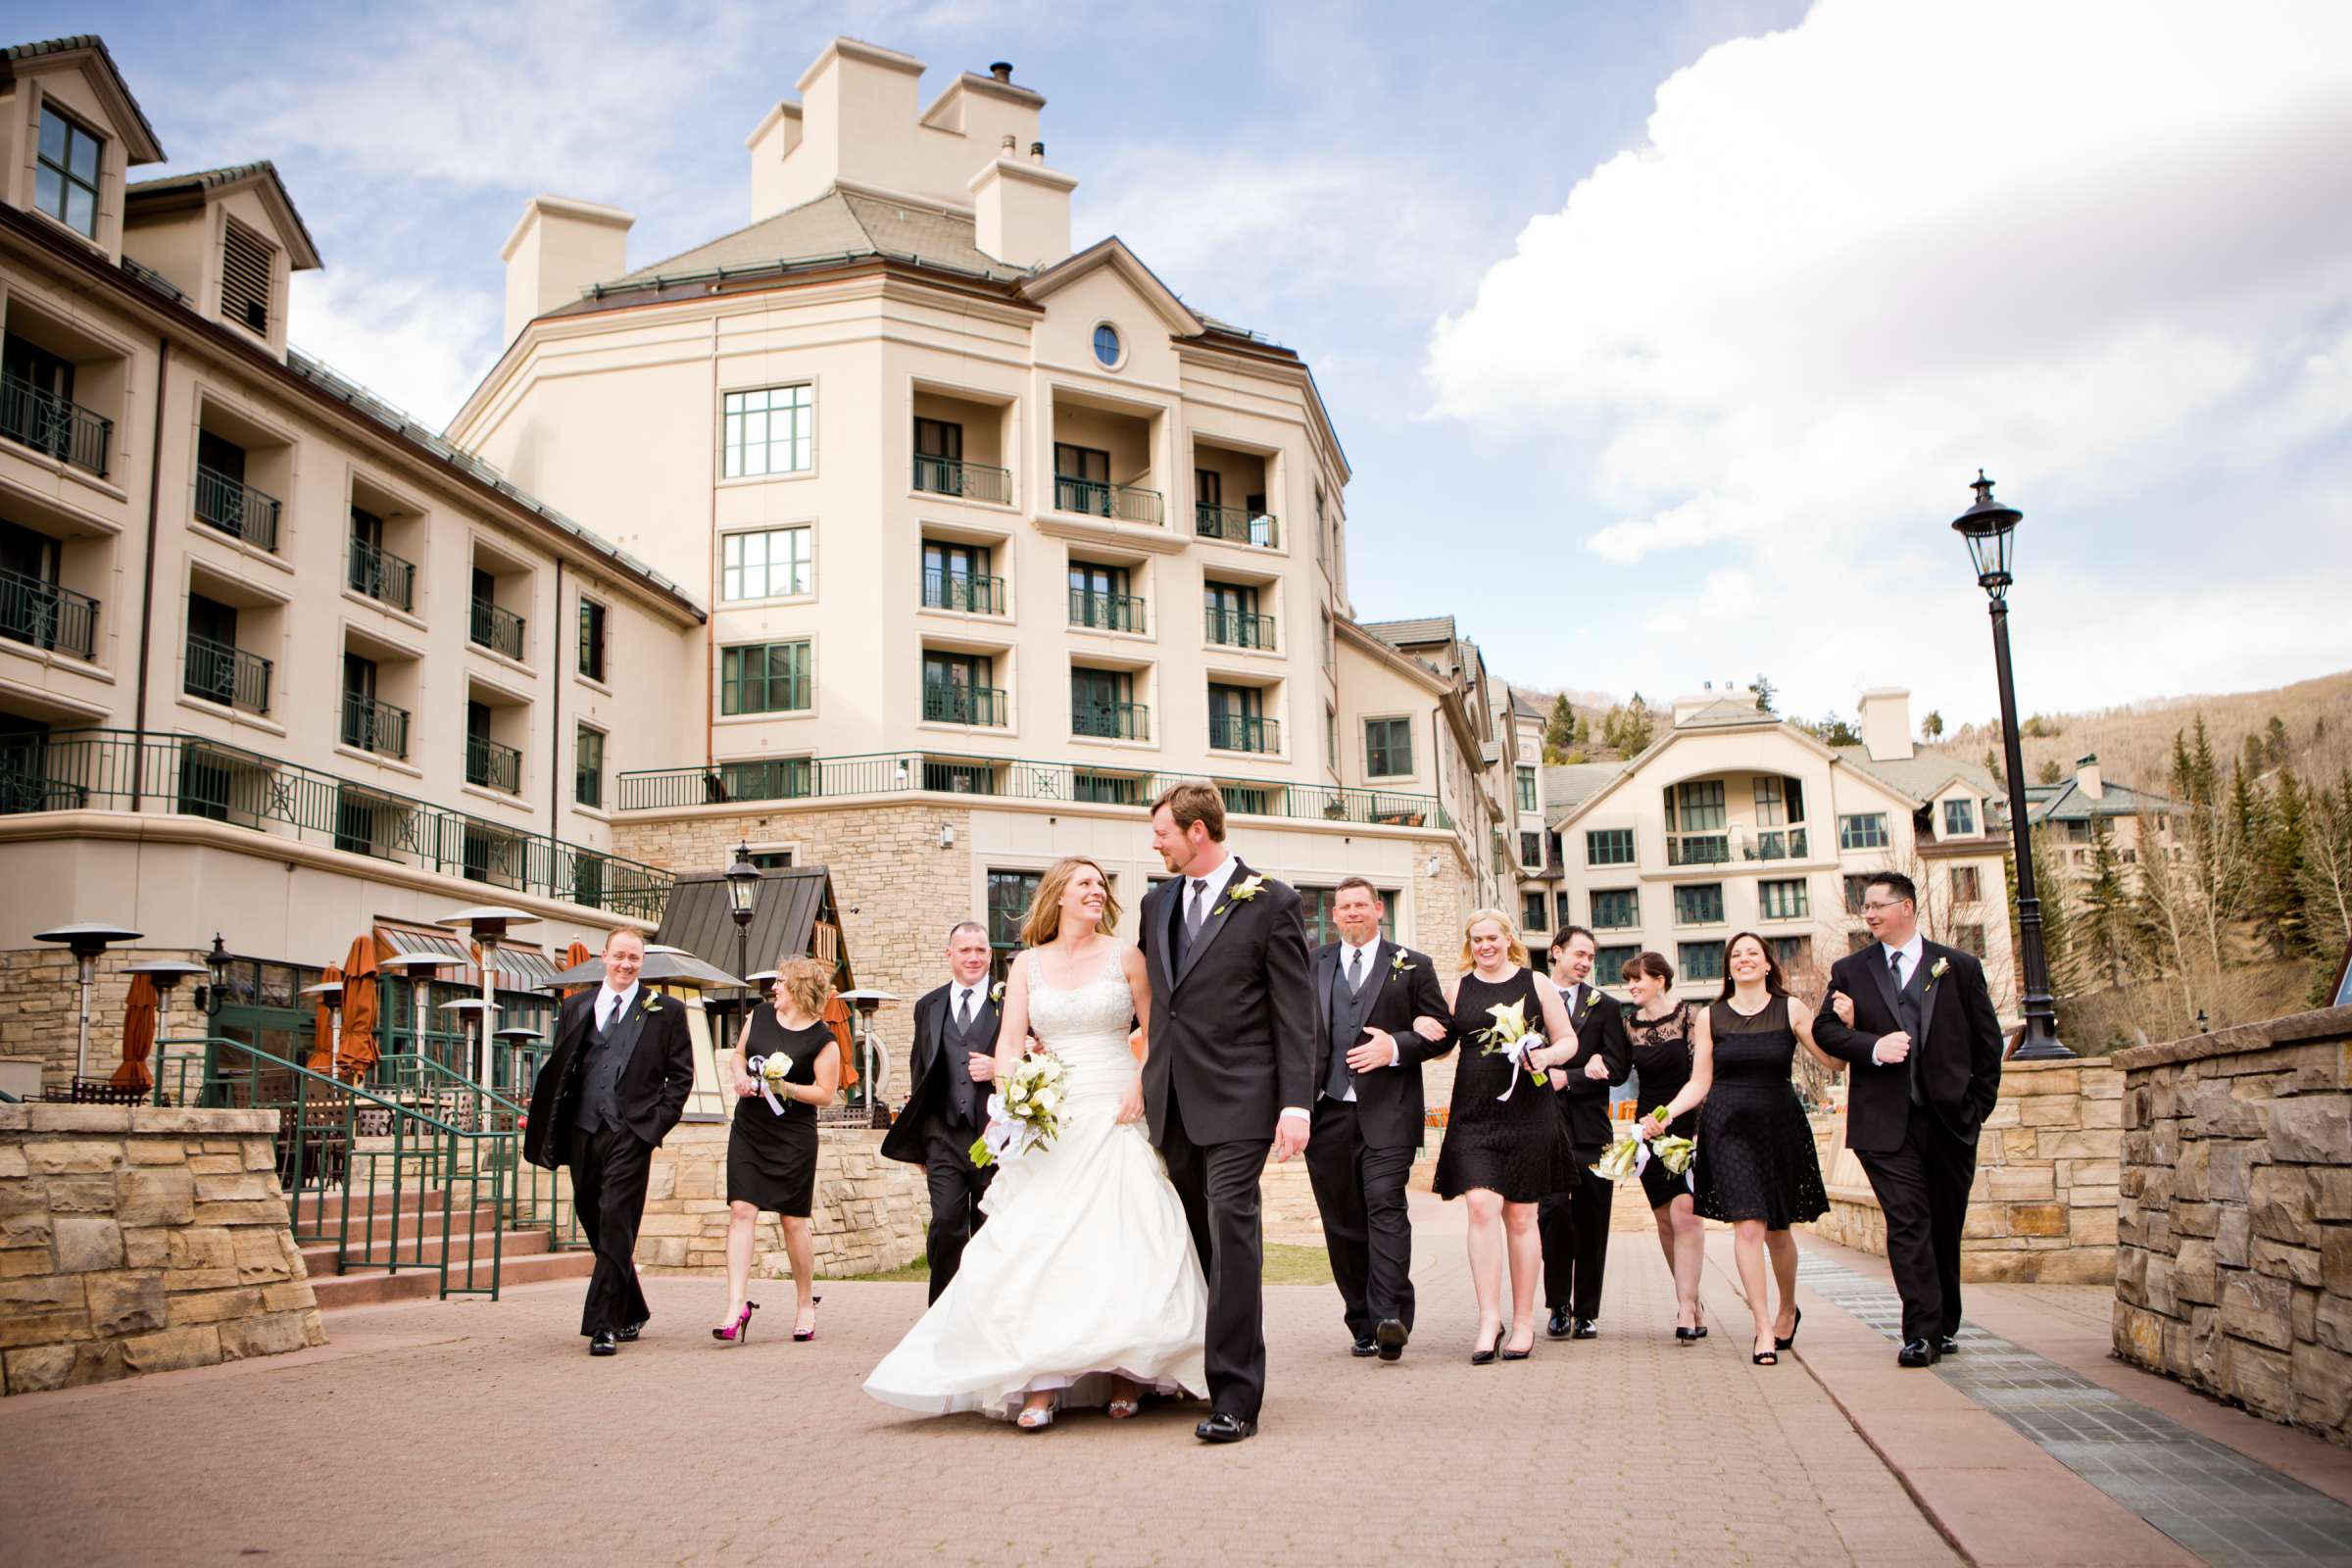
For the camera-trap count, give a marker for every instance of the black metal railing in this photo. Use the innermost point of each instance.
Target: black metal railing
(231, 676)
(40, 613)
(972, 481)
(382, 575)
(1114, 721)
(493, 766)
(1106, 611)
(49, 423)
(965, 704)
(1698, 849)
(374, 726)
(1244, 732)
(498, 629)
(236, 509)
(956, 590)
(1238, 628)
(1237, 525)
(1100, 500)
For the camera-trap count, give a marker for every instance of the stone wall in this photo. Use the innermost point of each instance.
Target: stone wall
(39, 992)
(867, 1217)
(2044, 1207)
(140, 1239)
(2235, 1269)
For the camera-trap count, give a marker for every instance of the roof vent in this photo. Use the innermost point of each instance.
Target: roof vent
(1002, 69)
(1037, 152)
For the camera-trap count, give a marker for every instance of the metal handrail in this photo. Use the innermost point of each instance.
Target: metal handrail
(382, 575)
(36, 611)
(1099, 499)
(1115, 721)
(493, 765)
(972, 481)
(226, 675)
(1237, 525)
(236, 508)
(1242, 732)
(39, 418)
(374, 725)
(496, 628)
(1240, 628)
(974, 594)
(1106, 611)
(965, 704)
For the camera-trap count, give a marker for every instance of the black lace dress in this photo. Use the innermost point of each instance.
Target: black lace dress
(1755, 1148)
(1516, 1147)
(1661, 1067)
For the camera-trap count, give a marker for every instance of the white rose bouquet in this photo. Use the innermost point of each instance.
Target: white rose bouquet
(1025, 1110)
(1509, 1035)
(771, 1070)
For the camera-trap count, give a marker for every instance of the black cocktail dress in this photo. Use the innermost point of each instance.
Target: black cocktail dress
(772, 1159)
(1661, 1067)
(1756, 1147)
(1516, 1147)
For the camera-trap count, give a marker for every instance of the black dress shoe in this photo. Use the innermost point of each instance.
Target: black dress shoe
(1797, 1321)
(1586, 1329)
(628, 1336)
(602, 1342)
(1916, 1352)
(1223, 1426)
(1390, 1335)
(1948, 1345)
(1364, 1347)
(1558, 1328)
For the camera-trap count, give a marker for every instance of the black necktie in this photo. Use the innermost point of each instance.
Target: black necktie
(963, 1009)
(1895, 967)
(1197, 911)
(1355, 970)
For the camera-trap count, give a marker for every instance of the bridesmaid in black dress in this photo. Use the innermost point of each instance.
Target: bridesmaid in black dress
(1660, 1028)
(771, 1157)
(1503, 1156)
(1756, 1166)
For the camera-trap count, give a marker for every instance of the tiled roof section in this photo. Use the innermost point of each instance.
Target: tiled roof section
(1412, 633)
(1491, 751)
(1920, 775)
(1723, 712)
(839, 224)
(1522, 707)
(87, 40)
(214, 179)
(1568, 785)
(2065, 802)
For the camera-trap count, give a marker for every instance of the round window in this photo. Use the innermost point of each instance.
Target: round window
(1106, 345)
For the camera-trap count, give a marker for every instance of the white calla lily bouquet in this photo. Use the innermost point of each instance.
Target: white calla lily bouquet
(1025, 1110)
(1510, 1035)
(1628, 1155)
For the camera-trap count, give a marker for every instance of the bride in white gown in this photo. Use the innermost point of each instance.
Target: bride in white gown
(1083, 1285)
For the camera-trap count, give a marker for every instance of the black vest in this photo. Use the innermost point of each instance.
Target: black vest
(1349, 1010)
(600, 1075)
(955, 1042)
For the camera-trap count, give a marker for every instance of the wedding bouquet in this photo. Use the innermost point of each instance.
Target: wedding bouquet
(1025, 1112)
(1628, 1155)
(771, 1071)
(1509, 1036)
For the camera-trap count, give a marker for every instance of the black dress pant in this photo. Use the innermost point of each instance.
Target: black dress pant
(956, 1188)
(1574, 1226)
(1922, 1191)
(1359, 1192)
(1219, 1186)
(608, 1172)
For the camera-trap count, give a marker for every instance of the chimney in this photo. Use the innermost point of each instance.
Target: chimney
(1036, 153)
(1002, 69)
(1886, 725)
(1692, 703)
(559, 248)
(2088, 780)
(1022, 212)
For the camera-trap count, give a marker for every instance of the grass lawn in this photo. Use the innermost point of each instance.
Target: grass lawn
(1286, 1263)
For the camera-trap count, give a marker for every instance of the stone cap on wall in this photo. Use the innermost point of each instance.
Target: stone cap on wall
(2295, 1028)
(42, 1117)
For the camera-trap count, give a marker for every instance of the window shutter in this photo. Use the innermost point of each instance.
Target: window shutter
(245, 268)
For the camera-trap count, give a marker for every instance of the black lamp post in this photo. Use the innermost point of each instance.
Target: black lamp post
(1989, 528)
(743, 897)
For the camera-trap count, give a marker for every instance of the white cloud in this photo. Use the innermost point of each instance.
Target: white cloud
(2099, 245)
(366, 325)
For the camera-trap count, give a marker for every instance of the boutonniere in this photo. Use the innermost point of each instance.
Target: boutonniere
(1935, 974)
(1396, 963)
(1240, 892)
(652, 1003)
(996, 993)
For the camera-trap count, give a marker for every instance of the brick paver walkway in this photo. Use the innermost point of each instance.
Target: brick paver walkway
(467, 1431)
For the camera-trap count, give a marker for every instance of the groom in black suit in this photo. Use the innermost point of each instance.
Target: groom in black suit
(1229, 1069)
(952, 1063)
(1370, 996)
(1574, 1225)
(1925, 1046)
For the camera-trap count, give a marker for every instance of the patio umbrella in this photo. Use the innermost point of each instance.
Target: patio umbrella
(360, 1049)
(138, 1034)
(322, 1030)
(573, 957)
(837, 1018)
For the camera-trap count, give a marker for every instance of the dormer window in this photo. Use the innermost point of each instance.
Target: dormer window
(246, 265)
(66, 174)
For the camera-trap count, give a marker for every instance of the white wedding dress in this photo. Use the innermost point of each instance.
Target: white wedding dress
(1085, 1267)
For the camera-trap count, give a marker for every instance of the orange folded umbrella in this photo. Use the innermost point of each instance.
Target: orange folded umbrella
(138, 1034)
(360, 1048)
(323, 1029)
(837, 1018)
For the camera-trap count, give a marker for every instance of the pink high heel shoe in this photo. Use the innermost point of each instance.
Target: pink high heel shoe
(740, 1330)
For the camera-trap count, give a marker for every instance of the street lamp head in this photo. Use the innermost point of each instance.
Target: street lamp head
(1988, 526)
(743, 885)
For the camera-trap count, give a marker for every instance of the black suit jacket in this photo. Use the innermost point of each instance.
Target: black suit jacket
(1957, 1054)
(1599, 1022)
(654, 1083)
(928, 1068)
(1232, 1030)
(1389, 1105)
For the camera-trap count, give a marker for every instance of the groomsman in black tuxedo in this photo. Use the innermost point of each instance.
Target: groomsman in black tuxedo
(953, 1060)
(1915, 1020)
(1371, 998)
(614, 1085)
(1574, 1225)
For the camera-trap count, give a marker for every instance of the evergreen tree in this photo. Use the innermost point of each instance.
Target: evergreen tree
(2274, 740)
(1932, 726)
(1764, 694)
(2057, 925)
(1992, 765)
(1559, 729)
(1836, 731)
(2050, 772)
(1584, 731)
(2278, 913)
(2255, 760)
(2326, 879)
(2106, 919)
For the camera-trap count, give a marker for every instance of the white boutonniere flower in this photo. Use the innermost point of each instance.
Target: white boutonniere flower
(1240, 892)
(1396, 963)
(996, 993)
(653, 1003)
(1935, 974)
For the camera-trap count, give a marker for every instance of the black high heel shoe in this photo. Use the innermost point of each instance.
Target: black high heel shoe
(1795, 1323)
(1478, 1358)
(1515, 1355)
(1684, 1336)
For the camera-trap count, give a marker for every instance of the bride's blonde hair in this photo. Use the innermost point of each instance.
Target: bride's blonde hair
(1042, 923)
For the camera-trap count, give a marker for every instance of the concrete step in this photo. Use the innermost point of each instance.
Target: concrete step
(525, 1261)
(319, 1256)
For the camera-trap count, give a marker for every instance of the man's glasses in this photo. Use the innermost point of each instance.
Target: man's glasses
(1869, 905)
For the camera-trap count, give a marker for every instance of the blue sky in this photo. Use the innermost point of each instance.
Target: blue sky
(1663, 339)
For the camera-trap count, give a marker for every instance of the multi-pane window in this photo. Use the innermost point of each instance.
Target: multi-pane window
(1698, 903)
(591, 638)
(772, 859)
(1696, 806)
(770, 779)
(1794, 954)
(1315, 906)
(1009, 896)
(771, 430)
(764, 678)
(1560, 916)
(1532, 910)
(957, 576)
(1867, 831)
(1526, 789)
(1783, 899)
(1331, 740)
(66, 174)
(1531, 849)
(1969, 939)
(1968, 886)
(1780, 800)
(1960, 818)
(772, 564)
(1388, 747)
(1609, 846)
(1102, 704)
(1857, 888)
(1616, 908)
(1700, 960)
(940, 439)
(588, 767)
(1609, 964)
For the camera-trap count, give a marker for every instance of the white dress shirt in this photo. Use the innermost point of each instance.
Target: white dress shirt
(961, 996)
(611, 1003)
(1905, 959)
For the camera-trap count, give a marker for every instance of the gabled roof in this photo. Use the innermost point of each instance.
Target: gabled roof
(839, 225)
(1568, 785)
(139, 140)
(1112, 252)
(1922, 775)
(2065, 802)
(787, 906)
(1724, 713)
(168, 192)
(1521, 707)
(1412, 633)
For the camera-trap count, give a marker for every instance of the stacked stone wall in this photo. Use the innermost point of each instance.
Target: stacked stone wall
(39, 990)
(868, 1215)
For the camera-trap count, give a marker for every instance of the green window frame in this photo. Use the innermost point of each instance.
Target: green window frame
(1865, 830)
(1609, 963)
(1009, 896)
(1388, 747)
(1783, 899)
(592, 639)
(1616, 908)
(1698, 903)
(1794, 954)
(1609, 846)
(1960, 818)
(769, 429)
(66, 172)
(765, 678)
(1696, 805)
(766, 563)
(1532, 912)
(588, 766)
(1315, 906)
(1527, 790)
(1698, 961)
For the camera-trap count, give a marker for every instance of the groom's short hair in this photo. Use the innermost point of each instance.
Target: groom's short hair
(1194, 802)
(1896, 884)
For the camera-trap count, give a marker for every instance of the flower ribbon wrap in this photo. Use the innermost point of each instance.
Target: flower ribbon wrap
(1629, 1155)
(771, 1071)
(1516, 1051)
(1023, 1113)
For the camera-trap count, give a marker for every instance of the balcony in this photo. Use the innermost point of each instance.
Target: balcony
(982, 706)
(491, 767)
(375, 726)
(1234, 628)
(384, 576)
(956, 590)
(1099, 499)
(236, 509)
(1106, 611)
(1242, 732)
(1778, 844)
(498, 630)
(50, 618)
(967, 481)
(1237, 525)
(51, 424)
(114, 770)
(1698, 849)
(231, 676)
(1112, 721)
